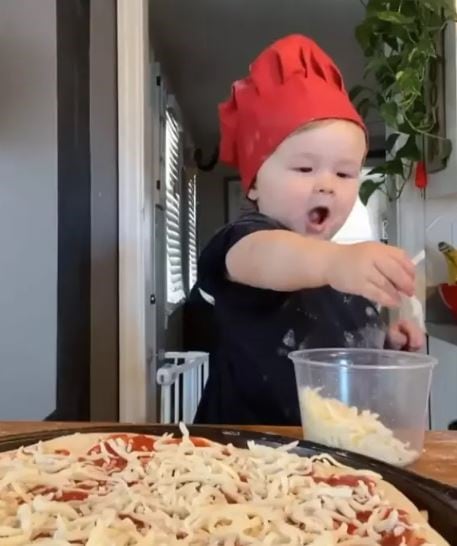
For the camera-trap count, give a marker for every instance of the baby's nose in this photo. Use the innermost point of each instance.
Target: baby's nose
(325, 184)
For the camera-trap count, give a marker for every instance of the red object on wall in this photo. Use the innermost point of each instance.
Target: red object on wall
(448, 293)
(421, 175)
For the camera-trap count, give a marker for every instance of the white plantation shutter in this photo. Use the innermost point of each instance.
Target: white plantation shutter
(192, 230)
(173, 210)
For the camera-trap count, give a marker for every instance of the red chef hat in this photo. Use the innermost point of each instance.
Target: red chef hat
(291, 83)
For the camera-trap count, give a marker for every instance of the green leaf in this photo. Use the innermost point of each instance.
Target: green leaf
(391, 141)
(410, 150)
(447, 5)
(394, 61)
(384, 77)
(392, 42)
(405, 129)
(367, 188)
(426, 47)
(363, 107)
(395, 167)
(389, 111)
(409, 8)
(373, 6)
(364, 36)
(400, 40)
(374, 64)
(356, 91)
(408, 81)
(394, 17)
(377, 170)
(392, 167)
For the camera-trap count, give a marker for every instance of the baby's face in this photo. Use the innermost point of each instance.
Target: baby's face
(311, 180)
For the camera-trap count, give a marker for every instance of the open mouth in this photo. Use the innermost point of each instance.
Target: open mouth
(318, 215)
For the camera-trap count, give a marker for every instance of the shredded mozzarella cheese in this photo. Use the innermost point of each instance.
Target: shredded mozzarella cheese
(331, 422)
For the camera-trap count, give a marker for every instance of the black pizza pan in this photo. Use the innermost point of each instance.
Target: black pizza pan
(439, 500)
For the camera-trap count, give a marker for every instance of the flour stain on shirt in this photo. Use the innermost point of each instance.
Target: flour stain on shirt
(289, 339)
(349, 339)
(368, 337)
(288, 343)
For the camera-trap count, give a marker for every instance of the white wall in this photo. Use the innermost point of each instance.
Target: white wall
(28, 208)
(423, 224)
(441, 225)
(443, 403)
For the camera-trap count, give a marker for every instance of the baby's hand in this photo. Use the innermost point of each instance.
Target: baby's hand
(405, 336)
(378, 272)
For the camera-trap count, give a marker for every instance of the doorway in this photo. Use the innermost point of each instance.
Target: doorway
(188, 54)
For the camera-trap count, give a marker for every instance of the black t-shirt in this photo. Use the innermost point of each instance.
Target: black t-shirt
(251, 378)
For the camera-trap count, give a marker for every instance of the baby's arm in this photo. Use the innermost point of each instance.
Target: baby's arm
(285, 261)
(279, 260)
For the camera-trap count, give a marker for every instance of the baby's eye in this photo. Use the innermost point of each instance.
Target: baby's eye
(303, 169)
(344, 175)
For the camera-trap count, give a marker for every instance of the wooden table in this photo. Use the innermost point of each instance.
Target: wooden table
(439, 460)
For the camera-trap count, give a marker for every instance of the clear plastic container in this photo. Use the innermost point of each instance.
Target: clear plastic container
(367, 401)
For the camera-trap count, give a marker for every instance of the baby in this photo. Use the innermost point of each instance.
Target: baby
(277, 281)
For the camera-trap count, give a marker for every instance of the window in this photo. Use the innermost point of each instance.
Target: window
(364, 222)
(173, 210)
(192, 230)
(357, 227)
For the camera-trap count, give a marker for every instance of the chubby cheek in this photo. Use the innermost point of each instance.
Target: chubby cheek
(346, 199)
(289, 206)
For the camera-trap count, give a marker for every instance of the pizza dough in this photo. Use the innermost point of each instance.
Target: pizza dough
(125, 489)
(400, 501)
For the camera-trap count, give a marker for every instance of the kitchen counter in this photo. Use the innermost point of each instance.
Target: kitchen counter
(439, 460)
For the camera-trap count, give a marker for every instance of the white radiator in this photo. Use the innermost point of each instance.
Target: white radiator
(182, 379)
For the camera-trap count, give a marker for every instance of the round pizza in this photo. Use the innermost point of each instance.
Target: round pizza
(127, 489)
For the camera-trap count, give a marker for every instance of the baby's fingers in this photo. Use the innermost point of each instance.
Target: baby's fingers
(387, 294)
(397, 275)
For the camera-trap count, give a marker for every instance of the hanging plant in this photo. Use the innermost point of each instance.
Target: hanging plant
(401, 40)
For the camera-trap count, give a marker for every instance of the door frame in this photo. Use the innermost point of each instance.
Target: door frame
(136, 295)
